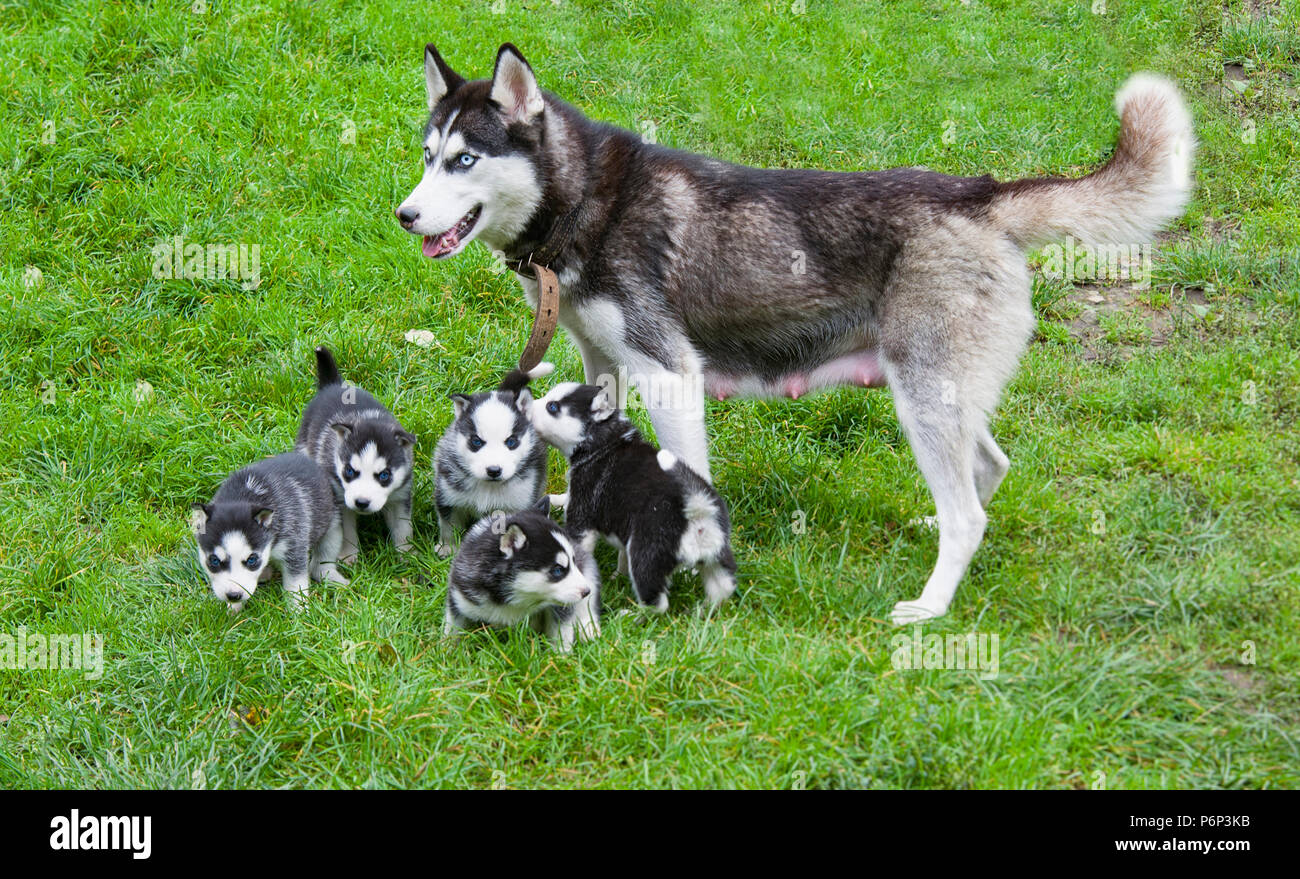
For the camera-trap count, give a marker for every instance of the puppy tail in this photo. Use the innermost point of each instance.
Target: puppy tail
(1145, 185)
(327, 371)
(517, 379)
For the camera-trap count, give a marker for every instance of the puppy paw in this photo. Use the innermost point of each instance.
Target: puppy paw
(330, 574)
(908, 612)
(348, 555)
(404, 546)
(559, 501)
(443, 550)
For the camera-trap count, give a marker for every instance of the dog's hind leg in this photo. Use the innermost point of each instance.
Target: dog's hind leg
(650, 571)
(944, 444)
(719, 577)
(991, 465)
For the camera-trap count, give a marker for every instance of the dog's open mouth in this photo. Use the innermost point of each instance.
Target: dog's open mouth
(438, 246)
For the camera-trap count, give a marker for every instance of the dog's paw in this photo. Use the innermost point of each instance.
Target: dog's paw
(348, 555)
(404, 546)
(906, 613)
(443, 550)
(330, 574)
(559, 501)
(930, 523)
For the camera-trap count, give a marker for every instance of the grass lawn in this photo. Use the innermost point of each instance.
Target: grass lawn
(1142, 560)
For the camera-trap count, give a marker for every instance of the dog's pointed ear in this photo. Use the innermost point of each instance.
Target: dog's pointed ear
(199, 516)
(512, 540)
(523, 400)
(343, 429)
(405, 438)
(543, 505)
(514, 87)
(264, 517)
(460, 403)
(602, 406)
(439, 79)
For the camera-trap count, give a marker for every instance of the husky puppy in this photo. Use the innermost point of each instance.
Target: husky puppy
(489, 460)
(363, 447)
(524, 566)
(660, 513)
(280, 509)
(737, 280)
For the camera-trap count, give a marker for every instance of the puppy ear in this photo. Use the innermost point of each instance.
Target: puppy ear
(514, 88)
(405, 438)
(343, 429)
(460, 403)
(439, 79)
(199, 516)
(543, 505)
(601, 406)
(512, 540)
(523, 400)
(264, 516)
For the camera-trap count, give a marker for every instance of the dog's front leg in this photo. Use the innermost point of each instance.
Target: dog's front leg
(679, 421)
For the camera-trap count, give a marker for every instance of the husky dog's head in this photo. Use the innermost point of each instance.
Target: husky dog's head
(511, 566)
(482, 146)
(571, 415)
(372, 461)
(492, 437)
(234, 543)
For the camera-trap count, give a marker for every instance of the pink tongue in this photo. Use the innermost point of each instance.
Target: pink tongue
(443, 244)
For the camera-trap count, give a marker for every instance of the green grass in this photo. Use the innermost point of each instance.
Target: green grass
(1121, 646)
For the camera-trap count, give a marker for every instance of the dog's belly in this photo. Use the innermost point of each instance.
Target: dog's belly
(857, 368)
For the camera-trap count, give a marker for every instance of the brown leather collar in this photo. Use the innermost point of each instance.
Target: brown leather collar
(537, 265)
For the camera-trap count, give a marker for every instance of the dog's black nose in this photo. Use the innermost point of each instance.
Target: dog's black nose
(362, 504)
(494, 472)
(233, 596)
(407, 216)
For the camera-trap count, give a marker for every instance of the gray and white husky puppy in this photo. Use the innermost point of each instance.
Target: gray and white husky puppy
(660, 514)
(280, 510)
(524, 566)
(683, 269)
(364, 449)
(489, 459)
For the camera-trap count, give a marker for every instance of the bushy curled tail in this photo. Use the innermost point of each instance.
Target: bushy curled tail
(1145, 185)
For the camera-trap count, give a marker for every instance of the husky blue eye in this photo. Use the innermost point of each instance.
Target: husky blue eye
(475, 443)
(512, 442)
(214, 563)
(348, 473)
(252, 562)
(385, 477)
(558, 572)
(465, 160)
(553, 408)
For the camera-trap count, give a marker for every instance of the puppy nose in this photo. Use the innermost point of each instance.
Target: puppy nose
(362, 503)
(232, 596)
(494, 472)
(407, 216)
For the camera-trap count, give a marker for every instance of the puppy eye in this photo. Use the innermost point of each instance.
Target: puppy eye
(214, 563)
(428, 156)
(252, 562)
(512, 442)
(558, 572)
(553, 408)
(349, 473)
(465, 160)
(475, 443)
(385, 477)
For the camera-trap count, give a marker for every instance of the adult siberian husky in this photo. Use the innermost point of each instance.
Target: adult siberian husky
(779, 282)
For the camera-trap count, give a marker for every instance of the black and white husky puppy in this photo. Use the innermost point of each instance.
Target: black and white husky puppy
(367, 452)
(524, 566)
(655, 509)
(489, 460)
(280, 509)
